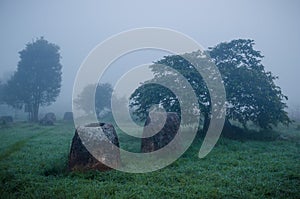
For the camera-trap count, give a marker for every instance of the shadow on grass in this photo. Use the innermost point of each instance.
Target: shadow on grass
(241, 134)
(58, 167)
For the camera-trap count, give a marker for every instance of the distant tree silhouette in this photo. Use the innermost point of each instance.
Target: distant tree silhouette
(37, 81)
(102, 98)
(1, 92)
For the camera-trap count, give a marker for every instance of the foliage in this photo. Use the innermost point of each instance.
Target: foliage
(252, 94)
(37, 80)
(143, 99)
(169, 71)
(251, 91)
(102, 95)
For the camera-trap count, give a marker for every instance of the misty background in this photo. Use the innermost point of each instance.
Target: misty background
(78, 26)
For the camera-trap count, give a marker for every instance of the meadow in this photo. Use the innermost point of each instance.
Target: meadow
(33, 164)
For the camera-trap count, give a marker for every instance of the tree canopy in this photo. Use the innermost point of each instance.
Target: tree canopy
(251, 92)
(102, 96)
(37, 81)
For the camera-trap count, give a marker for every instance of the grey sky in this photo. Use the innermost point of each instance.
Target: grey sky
(78, 26)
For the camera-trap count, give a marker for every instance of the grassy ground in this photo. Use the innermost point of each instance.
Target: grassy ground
(33, 165)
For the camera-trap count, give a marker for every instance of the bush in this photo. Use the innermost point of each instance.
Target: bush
(4, 120)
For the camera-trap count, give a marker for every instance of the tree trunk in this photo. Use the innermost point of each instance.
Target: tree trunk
(29, 116)
(227, 125)
(35, 113)
(228, 131)
(206, 123)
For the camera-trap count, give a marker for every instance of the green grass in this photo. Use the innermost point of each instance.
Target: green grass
(33, 163)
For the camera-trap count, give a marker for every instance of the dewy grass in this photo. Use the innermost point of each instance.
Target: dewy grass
(34, 162)
(18, 145)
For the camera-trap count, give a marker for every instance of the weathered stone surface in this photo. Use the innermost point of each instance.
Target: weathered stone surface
(68, 116)
(6, 119)
(48, 119)
(164, 136)
(97, 137)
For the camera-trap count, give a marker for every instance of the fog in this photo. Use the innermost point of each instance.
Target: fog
(78, 26)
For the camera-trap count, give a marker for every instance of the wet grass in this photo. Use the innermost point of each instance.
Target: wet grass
(33, 162)
(19, 144)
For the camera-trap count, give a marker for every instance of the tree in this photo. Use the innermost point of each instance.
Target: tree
(251, 92)
(1, 92)
(150, 93)
(37, 81)
(102, 96)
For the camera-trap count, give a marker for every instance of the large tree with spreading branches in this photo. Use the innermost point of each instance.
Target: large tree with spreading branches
(251, 92)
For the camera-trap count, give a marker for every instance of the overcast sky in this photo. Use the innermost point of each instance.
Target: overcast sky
(78, 26)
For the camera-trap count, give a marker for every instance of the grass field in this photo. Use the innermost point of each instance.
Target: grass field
(33, 163)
